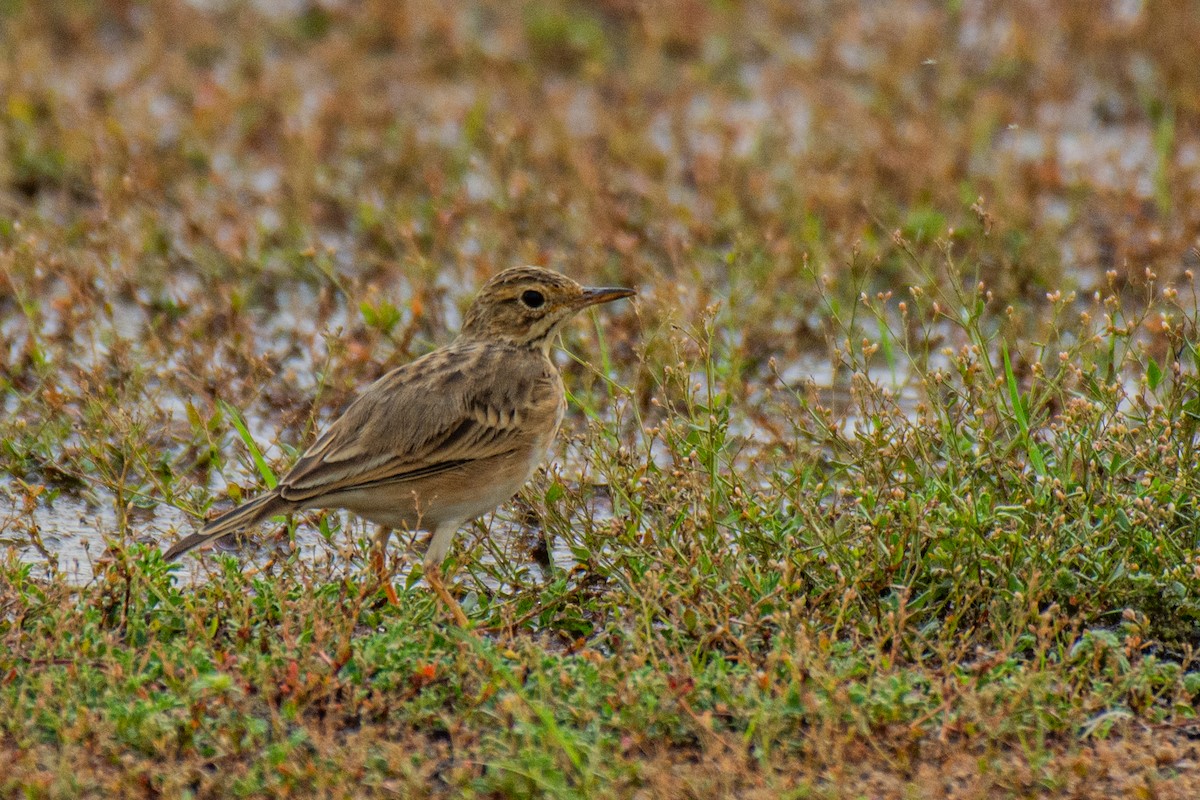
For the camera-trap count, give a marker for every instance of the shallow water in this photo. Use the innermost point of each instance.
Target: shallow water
(70, 535)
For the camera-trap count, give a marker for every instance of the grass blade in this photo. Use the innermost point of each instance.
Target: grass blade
(260, 463)
(1022, 414)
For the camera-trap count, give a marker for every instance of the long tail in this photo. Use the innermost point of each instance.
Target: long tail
(258, 509)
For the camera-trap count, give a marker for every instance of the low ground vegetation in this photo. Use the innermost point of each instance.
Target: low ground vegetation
(885, 487)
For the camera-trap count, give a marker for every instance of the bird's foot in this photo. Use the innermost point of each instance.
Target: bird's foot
(433, 576)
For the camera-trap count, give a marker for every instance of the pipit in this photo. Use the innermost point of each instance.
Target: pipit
(446, 438)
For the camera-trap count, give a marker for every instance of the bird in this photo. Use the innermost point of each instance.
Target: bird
(446, 438)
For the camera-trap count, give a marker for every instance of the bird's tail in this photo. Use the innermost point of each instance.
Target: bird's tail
(258, 509)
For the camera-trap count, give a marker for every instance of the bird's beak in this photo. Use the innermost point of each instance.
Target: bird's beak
(592, 296)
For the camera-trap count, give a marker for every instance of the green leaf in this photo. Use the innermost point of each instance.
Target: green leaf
(260, 463)
(1021, 413)
(1154, 375)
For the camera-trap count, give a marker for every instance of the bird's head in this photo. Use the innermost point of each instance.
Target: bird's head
(529, 305)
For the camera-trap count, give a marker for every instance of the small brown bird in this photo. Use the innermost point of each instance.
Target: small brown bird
(446, 438)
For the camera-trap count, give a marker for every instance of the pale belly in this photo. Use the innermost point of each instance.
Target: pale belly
(449, 498)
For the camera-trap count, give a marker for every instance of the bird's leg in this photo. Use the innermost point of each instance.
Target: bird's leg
(379, 563)
(433, 576)
(439, 545)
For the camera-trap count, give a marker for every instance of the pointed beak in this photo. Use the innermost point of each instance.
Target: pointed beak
(591, 296)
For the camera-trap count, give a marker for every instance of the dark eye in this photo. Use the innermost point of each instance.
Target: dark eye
(533, 298)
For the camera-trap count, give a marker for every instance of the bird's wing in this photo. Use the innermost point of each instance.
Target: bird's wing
(447, 409)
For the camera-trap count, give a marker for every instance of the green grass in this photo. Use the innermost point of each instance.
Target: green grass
(885, 486)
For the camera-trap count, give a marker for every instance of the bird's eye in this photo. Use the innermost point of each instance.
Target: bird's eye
(532, 298)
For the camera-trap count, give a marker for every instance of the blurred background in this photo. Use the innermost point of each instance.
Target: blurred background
(203, 156)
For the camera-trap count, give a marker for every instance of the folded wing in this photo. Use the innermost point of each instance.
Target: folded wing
(422, 419)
